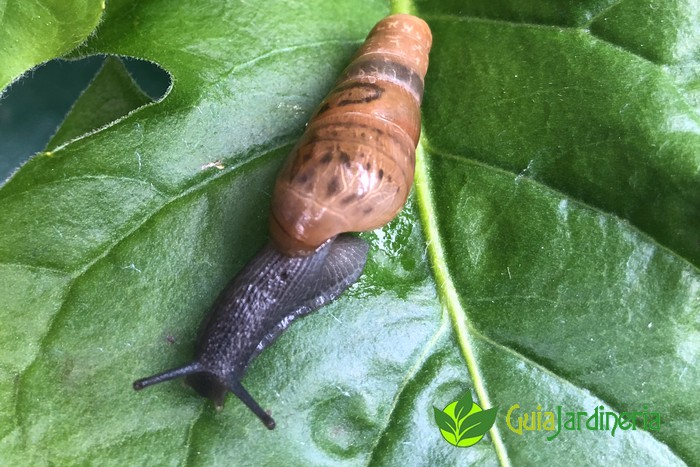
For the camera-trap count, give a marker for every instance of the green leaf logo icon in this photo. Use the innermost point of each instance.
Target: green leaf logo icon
(463, 422)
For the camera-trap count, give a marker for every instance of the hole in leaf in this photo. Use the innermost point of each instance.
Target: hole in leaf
(94, 91)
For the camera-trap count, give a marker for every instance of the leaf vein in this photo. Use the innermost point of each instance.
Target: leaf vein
(581, 28)
(283, 50)
(82, 178)
(427, 147)
(448, 294)
(541, 367)
(420, 361)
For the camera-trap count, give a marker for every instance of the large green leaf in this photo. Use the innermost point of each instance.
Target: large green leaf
(548, 256)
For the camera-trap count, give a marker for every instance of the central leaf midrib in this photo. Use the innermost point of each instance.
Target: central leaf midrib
(448, 294)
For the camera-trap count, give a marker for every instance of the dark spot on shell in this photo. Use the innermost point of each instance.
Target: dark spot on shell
(323, 108)
(358, 92)
(297, 165)
(306, 176)
(348, 199)
(333, 186)
(327, 158)
(345, 158)
(368, 209)
(368, 166)
(381, 174)
(284, 274)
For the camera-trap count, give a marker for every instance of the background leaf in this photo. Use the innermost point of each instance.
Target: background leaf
(548, 256)
(34, 31)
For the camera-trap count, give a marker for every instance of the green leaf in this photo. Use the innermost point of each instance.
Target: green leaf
(548, 255)
(444, 421)
(33, 31)
(477, 424)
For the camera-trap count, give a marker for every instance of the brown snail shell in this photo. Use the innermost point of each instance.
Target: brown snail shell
(352, 169)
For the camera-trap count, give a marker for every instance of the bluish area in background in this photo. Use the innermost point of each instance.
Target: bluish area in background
(34, 106)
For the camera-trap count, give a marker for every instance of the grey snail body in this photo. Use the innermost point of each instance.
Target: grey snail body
(351, 171)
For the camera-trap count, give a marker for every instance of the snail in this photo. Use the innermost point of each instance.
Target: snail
(351, 171)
